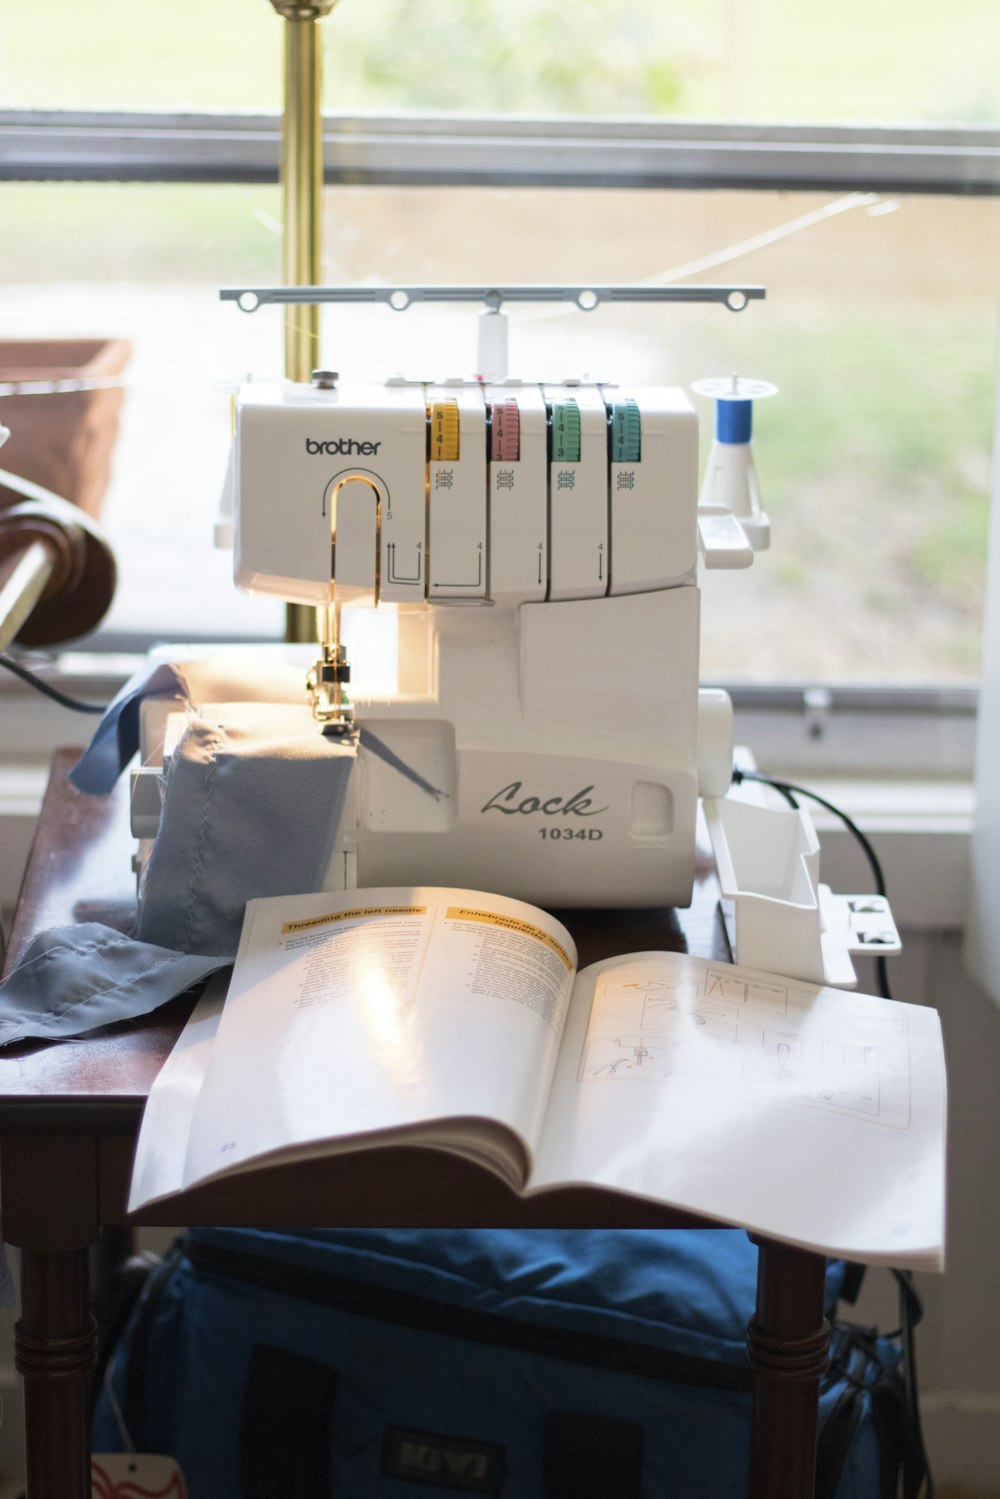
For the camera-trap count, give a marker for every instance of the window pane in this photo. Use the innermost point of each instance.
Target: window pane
(880, 329)
(725, 59)
(143, 263)
(160, 54)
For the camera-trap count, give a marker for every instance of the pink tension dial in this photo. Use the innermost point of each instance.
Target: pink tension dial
(505, 444)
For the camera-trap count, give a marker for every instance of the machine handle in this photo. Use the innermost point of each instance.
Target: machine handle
(57, 569)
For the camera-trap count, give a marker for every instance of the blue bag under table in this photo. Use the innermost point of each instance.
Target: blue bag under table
(535, 1364)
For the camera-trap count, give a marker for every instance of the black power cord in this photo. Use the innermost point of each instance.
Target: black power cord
(39, 683)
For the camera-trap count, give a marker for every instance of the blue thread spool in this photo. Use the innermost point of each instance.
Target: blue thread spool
(734, 396)
(730, 480)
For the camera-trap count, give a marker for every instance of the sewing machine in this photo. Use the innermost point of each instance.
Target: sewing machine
(537, 546)
(529, 556)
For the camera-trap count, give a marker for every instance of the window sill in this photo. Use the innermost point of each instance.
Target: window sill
(920, 829)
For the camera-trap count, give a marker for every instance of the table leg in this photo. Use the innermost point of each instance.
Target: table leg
(54, 1349)
(787, 1343)
(50, 1213)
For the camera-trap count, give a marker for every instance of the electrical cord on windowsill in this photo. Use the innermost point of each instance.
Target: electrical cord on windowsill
(78, 705)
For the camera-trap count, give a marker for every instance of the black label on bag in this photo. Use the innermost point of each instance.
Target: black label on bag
(443, 1462)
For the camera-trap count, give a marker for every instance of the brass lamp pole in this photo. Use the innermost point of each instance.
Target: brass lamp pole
(302, 202)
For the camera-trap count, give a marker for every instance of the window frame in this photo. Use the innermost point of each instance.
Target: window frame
(422, 149)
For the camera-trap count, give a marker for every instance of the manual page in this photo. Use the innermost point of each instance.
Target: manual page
(364, 1013)
(812, 1115)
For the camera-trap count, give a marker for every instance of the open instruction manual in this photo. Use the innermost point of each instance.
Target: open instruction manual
(457, 1020)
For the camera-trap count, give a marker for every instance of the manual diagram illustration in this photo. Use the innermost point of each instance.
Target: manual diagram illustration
(651, 1022)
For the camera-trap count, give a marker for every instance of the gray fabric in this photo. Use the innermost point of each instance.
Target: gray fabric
(249, 810)
(194, 681)
(193, 678)
(73, 979)
(252, 807)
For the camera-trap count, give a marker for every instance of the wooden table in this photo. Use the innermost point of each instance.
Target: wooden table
(70, 1112)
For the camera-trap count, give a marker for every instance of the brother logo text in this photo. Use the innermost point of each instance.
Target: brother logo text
(342, 446)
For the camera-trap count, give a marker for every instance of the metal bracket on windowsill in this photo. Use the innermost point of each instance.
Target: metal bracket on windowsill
(817, 704)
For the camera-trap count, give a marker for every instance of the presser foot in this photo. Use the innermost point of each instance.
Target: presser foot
(326, 683)
(338, 728)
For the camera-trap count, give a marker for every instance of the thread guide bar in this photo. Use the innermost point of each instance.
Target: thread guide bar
(399, 298)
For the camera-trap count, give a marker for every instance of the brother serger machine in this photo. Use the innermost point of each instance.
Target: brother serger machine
(535, 549)
(538, 547)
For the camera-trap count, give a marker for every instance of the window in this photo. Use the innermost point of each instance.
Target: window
(878, 245)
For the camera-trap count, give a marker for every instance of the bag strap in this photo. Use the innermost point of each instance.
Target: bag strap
(852, 1358)
(286, 1424)
(917, 1477)
(600, 1456)
(854, 1275)
(135, 1347)
(865, 1365)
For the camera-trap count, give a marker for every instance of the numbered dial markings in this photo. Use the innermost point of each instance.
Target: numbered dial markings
(505, 440)
(444, 425)
(565, 432)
